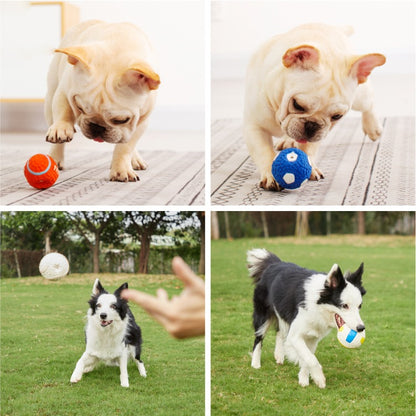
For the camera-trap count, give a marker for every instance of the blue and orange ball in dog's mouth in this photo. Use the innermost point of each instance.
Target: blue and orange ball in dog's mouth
(291, 168)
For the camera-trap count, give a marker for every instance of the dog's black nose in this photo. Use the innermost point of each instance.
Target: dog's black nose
(96, 130)
(360, 328)
(311, 128)
(103, 315)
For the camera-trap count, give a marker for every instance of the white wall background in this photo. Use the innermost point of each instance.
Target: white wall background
(176, 30)
(238, 27)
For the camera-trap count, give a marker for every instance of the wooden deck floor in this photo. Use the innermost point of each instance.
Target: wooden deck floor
(357, 171)
(174, 178)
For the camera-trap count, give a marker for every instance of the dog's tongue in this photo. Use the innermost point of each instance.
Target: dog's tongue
(339, 321)
(301, 141)
(105, 323)
(98, 139)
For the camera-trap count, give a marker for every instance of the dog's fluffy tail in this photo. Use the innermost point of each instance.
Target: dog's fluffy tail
(258, 260)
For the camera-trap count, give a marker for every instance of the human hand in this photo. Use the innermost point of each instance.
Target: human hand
(183, 316)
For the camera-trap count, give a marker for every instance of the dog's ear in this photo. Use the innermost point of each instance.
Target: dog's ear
(77, 55)
(140, 74)
(362, 66)
(356, 278)
(304, 56)
(335, 278)
(120, 289)
(97, 288)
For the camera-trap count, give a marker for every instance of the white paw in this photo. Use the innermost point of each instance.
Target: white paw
(137, 162)
(123, 174)
(303, 377)
(280, 359)
(60, 132)
(75, 378)
(318, 376)
(269, 183)
(371, 126)
(286, 143)
(142, 370)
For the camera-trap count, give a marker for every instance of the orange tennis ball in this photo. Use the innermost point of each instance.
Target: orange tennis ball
(41, 171)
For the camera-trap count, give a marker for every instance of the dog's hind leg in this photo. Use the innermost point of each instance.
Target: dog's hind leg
(261, 325)
(279, 351)
(135, 353)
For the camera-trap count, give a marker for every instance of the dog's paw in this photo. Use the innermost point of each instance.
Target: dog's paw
(371, 126)
(316, 174)
(75, 378)
(286, 143)
(125, 384)
(122, 174)
(269, 183)
(318, 376)
(138, 162)
(142, 370)
(60, 132)
(280, 359)
(303, 377)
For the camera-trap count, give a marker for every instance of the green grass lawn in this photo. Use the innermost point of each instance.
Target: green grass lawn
(42, 337)
(377, 379)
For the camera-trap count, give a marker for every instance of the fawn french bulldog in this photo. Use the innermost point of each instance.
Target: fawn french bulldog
(298, 85)
(102, 78)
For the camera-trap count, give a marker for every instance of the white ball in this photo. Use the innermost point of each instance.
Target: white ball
(54, 266)
(350, 338)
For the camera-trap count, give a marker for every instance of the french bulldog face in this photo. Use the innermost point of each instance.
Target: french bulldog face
(105, 122)
(317, 95)
(309, 116)
(107, 105)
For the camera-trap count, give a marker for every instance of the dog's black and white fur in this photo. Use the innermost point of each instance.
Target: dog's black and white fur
(304, 305)
(112, 335)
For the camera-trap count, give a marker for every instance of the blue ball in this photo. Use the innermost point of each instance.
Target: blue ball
(291, 168)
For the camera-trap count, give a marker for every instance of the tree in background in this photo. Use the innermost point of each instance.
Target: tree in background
(249, 224)
(26, 230)
(302, 224)
(27, 235)
(96, 226)
(142, 225)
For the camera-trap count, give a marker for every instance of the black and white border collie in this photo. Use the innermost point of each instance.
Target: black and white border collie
(304, 305)
(111, 333)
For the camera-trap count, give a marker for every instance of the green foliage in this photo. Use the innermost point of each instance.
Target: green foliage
(377, 379)
(43, 337)
(249, 224)
(75, 233)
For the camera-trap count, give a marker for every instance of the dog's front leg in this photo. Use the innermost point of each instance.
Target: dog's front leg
(124, 376)
(85, 363)
(363, 101)
(62, 129)
(308, 363)
(260, 146)
(126, 159)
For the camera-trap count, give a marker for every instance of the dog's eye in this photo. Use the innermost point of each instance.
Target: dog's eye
(98, 305)
(118, 121)
(345, 306)
(297, 106)
(113, 306)
(336, 117)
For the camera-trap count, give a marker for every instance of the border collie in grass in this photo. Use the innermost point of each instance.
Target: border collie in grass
(112, 335)
(304, 305)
